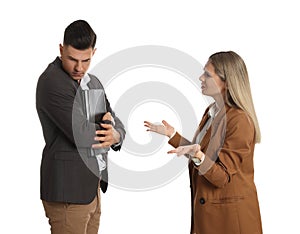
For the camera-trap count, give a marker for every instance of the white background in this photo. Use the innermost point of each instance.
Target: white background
(264, 33)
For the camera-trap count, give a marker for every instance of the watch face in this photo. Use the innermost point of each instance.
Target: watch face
(196, 161)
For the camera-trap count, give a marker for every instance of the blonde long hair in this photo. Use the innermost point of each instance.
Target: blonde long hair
(230, 67)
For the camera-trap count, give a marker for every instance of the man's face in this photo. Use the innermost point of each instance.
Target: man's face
(76, 62)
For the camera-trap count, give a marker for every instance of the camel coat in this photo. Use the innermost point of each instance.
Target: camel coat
(223, 193)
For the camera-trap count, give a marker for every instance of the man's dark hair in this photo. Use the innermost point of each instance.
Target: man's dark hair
(80, 35)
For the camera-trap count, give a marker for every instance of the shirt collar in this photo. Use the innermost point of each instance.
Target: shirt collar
(213, 110)
(84, 81)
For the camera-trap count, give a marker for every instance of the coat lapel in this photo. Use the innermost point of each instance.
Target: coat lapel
(220, 119)
(200, 126)
(214, 138)
(218, 122)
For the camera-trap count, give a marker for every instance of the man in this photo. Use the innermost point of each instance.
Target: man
(70, 177)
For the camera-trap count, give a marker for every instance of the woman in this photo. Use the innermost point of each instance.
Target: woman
(224, 198)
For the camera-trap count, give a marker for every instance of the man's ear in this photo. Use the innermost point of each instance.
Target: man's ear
(94, 50)
(61, 48)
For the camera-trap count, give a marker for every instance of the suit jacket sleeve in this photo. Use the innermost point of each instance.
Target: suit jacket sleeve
(118, 126)
(95, 82)
(60, 107)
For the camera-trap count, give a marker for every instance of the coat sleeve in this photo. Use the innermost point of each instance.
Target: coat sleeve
(178, 140)
(236, 149)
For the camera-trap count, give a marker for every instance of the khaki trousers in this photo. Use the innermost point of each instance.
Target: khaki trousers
(66, 218)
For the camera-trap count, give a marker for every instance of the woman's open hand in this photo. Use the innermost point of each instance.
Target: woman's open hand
(164, 129)
(191, 150)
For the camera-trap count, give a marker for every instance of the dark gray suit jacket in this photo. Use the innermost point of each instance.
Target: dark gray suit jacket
(68, 174)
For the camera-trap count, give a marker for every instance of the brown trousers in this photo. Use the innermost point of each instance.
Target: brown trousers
(66, 218)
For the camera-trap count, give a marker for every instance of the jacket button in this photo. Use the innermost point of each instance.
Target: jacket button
(202, 201)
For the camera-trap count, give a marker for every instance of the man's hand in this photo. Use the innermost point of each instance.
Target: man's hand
(108, 136)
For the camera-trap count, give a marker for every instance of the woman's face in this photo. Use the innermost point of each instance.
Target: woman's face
(211, 83)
